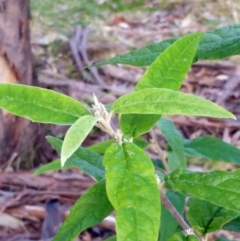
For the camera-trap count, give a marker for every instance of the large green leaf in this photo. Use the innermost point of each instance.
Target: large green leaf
(209, 218)
(212, 148)
(40, 105)
(171, 67)
(133, 125)
(91, 208)
(219, 187)
(87, 161)
(133, 192)
(175, 140)
(169, 224)
(76, 135)
(167, 102)
(221, 43)
(167, 71)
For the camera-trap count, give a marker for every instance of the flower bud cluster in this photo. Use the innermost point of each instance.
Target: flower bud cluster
(104, 119)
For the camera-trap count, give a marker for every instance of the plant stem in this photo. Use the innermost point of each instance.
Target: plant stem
(206, 237)
(168, 205)
(160, 152)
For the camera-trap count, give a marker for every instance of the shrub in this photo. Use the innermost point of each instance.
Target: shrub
(126, 180)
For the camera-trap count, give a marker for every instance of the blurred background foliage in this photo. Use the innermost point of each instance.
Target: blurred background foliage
(60, 14)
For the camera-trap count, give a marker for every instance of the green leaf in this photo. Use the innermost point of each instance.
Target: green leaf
(220, 43)
(173, 161)
(100, 147)
(192, 237)
(160, 174)
(133, 192)
(171, 67)
(212, 148)
(56, 165)
(90, 209)
(76, 135)
(136, 125)
(140, 57)
(169, 224)
(40, 105)
(87, 161)
(225, 239)
(218, 187)
(233, 225)
(209, 218)
(112, 238)
(51, 166)
(178, 236)
(157, 163)
(167, 71)
(174, 139)
(140, 142)
(167, 102)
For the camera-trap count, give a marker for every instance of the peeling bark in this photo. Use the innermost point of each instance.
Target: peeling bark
(17, 135)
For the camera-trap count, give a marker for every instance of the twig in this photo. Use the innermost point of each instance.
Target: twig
(83, 52)
(216, 65)
(72, 43)
(183, 121)
(78, 45)
(206, 237)
(230, 86)
(168, 205)
(160, 152)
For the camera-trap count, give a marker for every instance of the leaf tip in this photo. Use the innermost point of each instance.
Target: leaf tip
(234, 117)
(35, 173)
(63, 160)
(48, 137)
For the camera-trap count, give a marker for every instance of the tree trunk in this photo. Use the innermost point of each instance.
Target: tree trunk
(17, 135)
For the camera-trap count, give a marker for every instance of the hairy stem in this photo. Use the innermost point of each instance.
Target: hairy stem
(168, 205)
(160, 152)
(205, 238)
